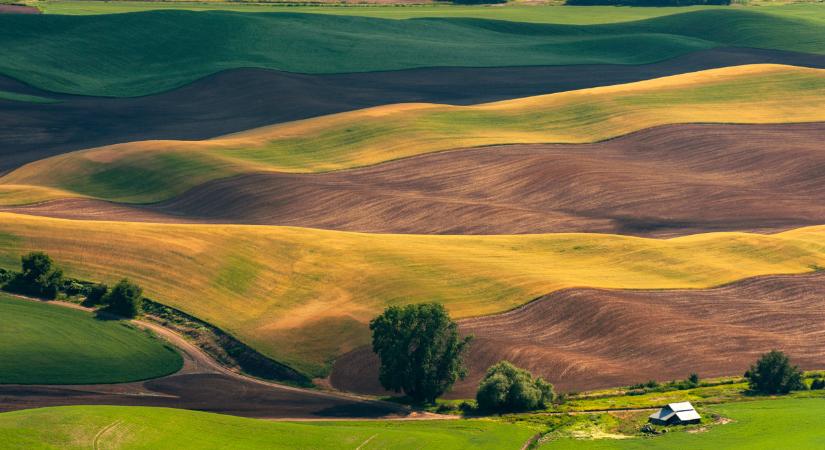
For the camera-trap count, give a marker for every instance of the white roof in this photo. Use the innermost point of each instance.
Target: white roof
(684, 416)
(681, 406)
(683, 410)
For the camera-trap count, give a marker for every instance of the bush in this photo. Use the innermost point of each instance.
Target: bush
(125, 299)
(420, 350)
(818, 384)
(95, 294)
(773, 374)
(507, 388)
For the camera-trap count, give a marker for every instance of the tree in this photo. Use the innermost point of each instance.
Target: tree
(693, 379)
(507, 388)
(125, 299)
(773, 374)
(40, 276)
(420, 350)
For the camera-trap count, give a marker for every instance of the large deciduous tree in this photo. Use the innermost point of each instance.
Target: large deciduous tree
(420, 350)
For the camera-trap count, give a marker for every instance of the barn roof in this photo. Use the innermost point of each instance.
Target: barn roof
(684, 411)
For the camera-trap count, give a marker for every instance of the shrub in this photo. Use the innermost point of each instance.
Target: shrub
(420, 350)
(507, 388)
(95, 294)
(773, 374)
(125, 299)
(818, 384)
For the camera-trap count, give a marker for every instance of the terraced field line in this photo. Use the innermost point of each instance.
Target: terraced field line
(366, 442)
(96, 441)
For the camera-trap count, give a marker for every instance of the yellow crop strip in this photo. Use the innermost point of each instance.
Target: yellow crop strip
(155, 170)
(304, 296)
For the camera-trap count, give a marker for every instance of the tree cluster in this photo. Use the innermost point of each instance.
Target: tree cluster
(39, 277)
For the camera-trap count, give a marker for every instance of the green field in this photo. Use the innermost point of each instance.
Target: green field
(45, 344)
(82, 427)
(757, 425)
(141, 53)
(761, 424)
(578, 15)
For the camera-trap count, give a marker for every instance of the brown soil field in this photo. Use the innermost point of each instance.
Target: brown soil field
(242, 99)
(18, 9)
(664, 181)
(581, 339)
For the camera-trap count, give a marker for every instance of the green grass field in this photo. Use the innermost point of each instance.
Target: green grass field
(757, 425)
(82, 427)
(141, 53)
(304, 296)
(579, 15)
(45, 344)
(150, 171)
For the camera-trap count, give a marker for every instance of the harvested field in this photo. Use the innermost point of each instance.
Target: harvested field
(595, 338)
(671, 180)
(241, 99)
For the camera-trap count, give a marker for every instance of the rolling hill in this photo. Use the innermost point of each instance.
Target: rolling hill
(148, 52)
(152, 171)
(303, 296)
(664, 181)
(584, 339)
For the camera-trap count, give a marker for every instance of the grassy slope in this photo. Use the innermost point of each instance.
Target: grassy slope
(303, 296)
(155, 170)
(767, 424)
(587, 15)
(158, 428)
(130, 54)
(42, 344)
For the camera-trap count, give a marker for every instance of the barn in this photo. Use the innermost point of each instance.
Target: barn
(675, 414)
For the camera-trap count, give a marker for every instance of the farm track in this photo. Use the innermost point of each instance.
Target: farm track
(242, 99)
(205, 385)
(665, 181)
(582, 339)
